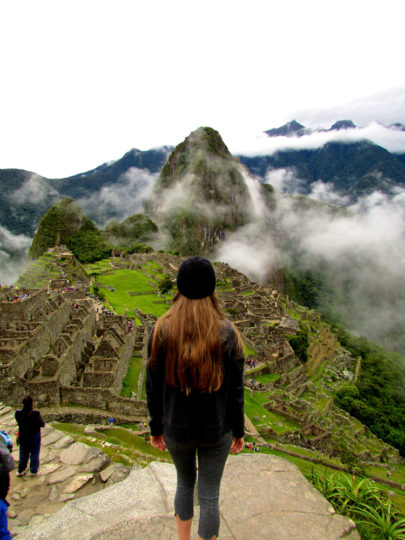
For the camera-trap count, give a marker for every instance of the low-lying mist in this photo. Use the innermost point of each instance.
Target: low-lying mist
(359, 250)
(13, 253)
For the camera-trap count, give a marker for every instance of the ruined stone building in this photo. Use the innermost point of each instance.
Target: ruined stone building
(56, 348)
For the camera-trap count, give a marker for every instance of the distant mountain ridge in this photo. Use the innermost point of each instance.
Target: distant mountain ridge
(295, 129)
(352, 169)
(25, 196)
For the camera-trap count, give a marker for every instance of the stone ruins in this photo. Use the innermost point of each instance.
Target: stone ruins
(57, 345)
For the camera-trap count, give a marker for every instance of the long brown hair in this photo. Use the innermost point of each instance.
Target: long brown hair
(190, 334)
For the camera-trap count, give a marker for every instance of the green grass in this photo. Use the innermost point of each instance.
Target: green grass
(129, 281)
(248, 351)
(269, 377)
(130, 383)
(127, 447)
(254, 407)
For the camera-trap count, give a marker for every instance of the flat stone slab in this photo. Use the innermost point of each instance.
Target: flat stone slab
(96, 464)
(261, 497)
(60, 475)
(78, 453)
(77, 482)
(64, 442)
(51, 437)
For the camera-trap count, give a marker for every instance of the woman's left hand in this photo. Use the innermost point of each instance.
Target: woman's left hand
(158, 441)
(237, 445)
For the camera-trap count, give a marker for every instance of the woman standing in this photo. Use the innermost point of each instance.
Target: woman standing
(29, 430)
(194, 388)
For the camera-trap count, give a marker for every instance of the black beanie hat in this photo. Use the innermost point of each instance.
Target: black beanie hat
(196, 278)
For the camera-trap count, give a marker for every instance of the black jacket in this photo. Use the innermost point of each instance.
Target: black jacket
(199, 416)
(29, 424)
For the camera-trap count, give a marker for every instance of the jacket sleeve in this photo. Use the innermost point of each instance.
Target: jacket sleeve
(236, 389)
(154, 392)
(41, 422)
(4, 532)
(6, 457)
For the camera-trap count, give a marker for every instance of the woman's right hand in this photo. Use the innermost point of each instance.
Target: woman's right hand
(237, 445)
(158, 441)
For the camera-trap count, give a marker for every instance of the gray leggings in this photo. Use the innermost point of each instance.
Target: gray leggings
(211, 463)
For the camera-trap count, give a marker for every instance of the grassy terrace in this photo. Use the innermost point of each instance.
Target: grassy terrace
(121, 288)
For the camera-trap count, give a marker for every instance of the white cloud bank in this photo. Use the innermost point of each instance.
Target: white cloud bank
(391, 139)
(121, 199)
(361, 250)
(13, 252)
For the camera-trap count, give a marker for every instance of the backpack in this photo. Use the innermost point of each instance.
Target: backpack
(7, 440)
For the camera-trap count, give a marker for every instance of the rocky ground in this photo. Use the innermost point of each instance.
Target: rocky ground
(68, 470)
(78, 493)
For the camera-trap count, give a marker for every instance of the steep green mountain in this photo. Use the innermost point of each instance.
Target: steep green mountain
(201, 194)
(66, 224)
(352, 169)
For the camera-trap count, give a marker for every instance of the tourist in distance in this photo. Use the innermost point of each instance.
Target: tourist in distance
(194, 387)
(29, 429)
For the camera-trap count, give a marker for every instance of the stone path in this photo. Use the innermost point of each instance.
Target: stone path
(68, 470)
(79, 494)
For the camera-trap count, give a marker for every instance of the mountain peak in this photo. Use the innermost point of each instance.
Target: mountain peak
(200, 194)
(286, 130)
(208, 139)
(342, 124)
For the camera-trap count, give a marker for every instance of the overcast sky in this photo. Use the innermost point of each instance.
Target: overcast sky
(84, 81)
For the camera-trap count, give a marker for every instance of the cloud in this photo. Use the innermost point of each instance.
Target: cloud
(260, 145)
(386, 107)
(121, 199)
(13, 252)
(285, 180)
(251, 251)
(360, 250)
(321, 191)
(34, 190)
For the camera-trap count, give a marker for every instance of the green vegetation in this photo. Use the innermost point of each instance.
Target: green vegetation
(254, 408)
(182, 225)
(66, 224)
(300, 343)
(87, 244)
(130, 383)
(134, 231)
(361, 500)
(126, 289)
(165, 284)
(121, 445)
(377, 398)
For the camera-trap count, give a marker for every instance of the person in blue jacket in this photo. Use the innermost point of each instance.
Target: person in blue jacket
(6, 465)
(194, 386)
(29, 428)
(4, 485)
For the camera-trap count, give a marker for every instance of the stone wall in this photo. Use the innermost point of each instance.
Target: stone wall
(103, 398)
(41, 339)
(23, 309)
(72, 356)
